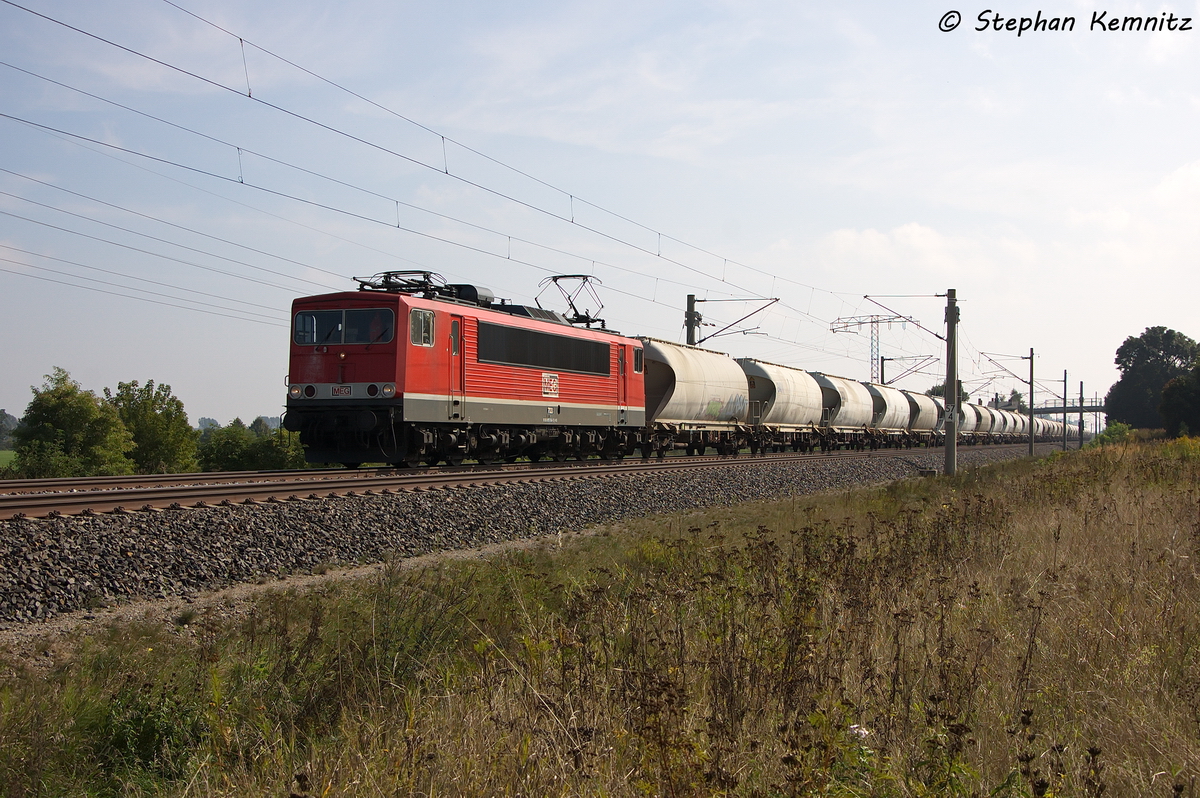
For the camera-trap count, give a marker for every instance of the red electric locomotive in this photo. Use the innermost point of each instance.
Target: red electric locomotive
(410, 370)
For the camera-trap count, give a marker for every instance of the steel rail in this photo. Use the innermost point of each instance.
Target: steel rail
(124, 482)
(383, 482)
(159, 480)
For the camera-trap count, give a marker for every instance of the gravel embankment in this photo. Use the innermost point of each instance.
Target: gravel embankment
(52, 566)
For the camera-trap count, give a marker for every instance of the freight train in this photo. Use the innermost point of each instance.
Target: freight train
(411, 370)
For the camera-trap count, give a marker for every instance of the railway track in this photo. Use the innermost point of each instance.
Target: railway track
(53, 497)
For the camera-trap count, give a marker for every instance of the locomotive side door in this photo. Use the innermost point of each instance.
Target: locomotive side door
(622, 383)
(457, 409)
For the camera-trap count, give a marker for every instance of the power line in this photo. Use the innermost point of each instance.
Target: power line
(141, 299)
(143, 251)
(444, 138)
(130, 287)
(415, 161)
(160, 240)
(69, 139)
(170, 224)
(281, 194)
(411, 231)
(242, 151)
(135, 277)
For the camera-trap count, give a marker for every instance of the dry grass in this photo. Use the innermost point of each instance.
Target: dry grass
(1020, 631)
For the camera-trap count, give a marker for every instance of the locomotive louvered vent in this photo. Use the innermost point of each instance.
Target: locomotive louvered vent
(536, 313)
(473, 293)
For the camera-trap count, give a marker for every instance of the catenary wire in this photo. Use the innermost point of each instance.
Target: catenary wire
(571, 196)
(143, 299)
(285, 195)
(169, 223)
(795, 343)
(313, 173)
(143, 251)
(418, 162)
(135, 288)
(161, 240)
(135, 277)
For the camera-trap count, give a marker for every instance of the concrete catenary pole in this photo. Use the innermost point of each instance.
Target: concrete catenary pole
(951, 392)
(1064, 410)
(1031, 424)
(691, 320)
(1080, 415)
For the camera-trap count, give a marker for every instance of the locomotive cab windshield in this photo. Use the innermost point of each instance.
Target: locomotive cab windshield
(349, 326)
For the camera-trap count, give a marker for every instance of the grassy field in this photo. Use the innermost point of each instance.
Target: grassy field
(6, 457)
(1026, 630)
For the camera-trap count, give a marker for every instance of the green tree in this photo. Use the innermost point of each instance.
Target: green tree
(206, 427)
(236, 448)
(1017, 398)
(260, 428)
(1180, 408)
(8, 423)
(226, 448)
(1114, 432)
(164, 441)
(67, 431)
(279, 450)
(1147, 363)
(940, 390)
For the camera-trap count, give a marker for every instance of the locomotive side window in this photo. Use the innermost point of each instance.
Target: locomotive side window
(373, 326)
(454, 337)
(517, 347)
(638, 360)
(420, 327)
(318, 327)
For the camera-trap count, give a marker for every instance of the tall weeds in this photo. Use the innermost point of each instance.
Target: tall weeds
(1023, 630)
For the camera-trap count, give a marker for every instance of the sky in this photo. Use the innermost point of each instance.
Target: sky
(174, 174)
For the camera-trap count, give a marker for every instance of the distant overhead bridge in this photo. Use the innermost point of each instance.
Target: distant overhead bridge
(1072, 410)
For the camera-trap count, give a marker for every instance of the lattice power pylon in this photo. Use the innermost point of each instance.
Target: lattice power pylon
(872, 321)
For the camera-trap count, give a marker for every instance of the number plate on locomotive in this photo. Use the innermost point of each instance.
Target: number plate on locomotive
(341, 390)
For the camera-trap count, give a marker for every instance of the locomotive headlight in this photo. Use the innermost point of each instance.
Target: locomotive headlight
(389, 390)
(295, 391)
